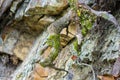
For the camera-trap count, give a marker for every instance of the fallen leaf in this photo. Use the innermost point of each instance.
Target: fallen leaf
(106, 77)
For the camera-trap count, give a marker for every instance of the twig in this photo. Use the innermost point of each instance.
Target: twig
(59, 69)
(94, 78)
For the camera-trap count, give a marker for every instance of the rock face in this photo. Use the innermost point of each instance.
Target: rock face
(19, 37)
(99, 50)
(6, 67)
(5, 71)
(51, 7)
(26, 35)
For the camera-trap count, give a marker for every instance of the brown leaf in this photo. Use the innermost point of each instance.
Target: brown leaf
(106, 77)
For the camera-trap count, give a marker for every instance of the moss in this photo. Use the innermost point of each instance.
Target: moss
(53, 41)
(75, 46)
(86, 19)
(54, 54)
(46, 62)
(72, 4)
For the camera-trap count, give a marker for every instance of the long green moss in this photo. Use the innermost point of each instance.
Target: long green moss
(53, 41)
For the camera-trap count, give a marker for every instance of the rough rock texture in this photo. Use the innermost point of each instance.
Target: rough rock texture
(25, 38)
(51, 7)
(100, 49)
(5, 71)
(6, 67)
(41, 7)
(76, 72)
(19, 37)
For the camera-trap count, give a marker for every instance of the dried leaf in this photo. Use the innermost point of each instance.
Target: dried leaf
(106, 77)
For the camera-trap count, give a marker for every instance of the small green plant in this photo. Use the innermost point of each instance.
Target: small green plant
(85, 19)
